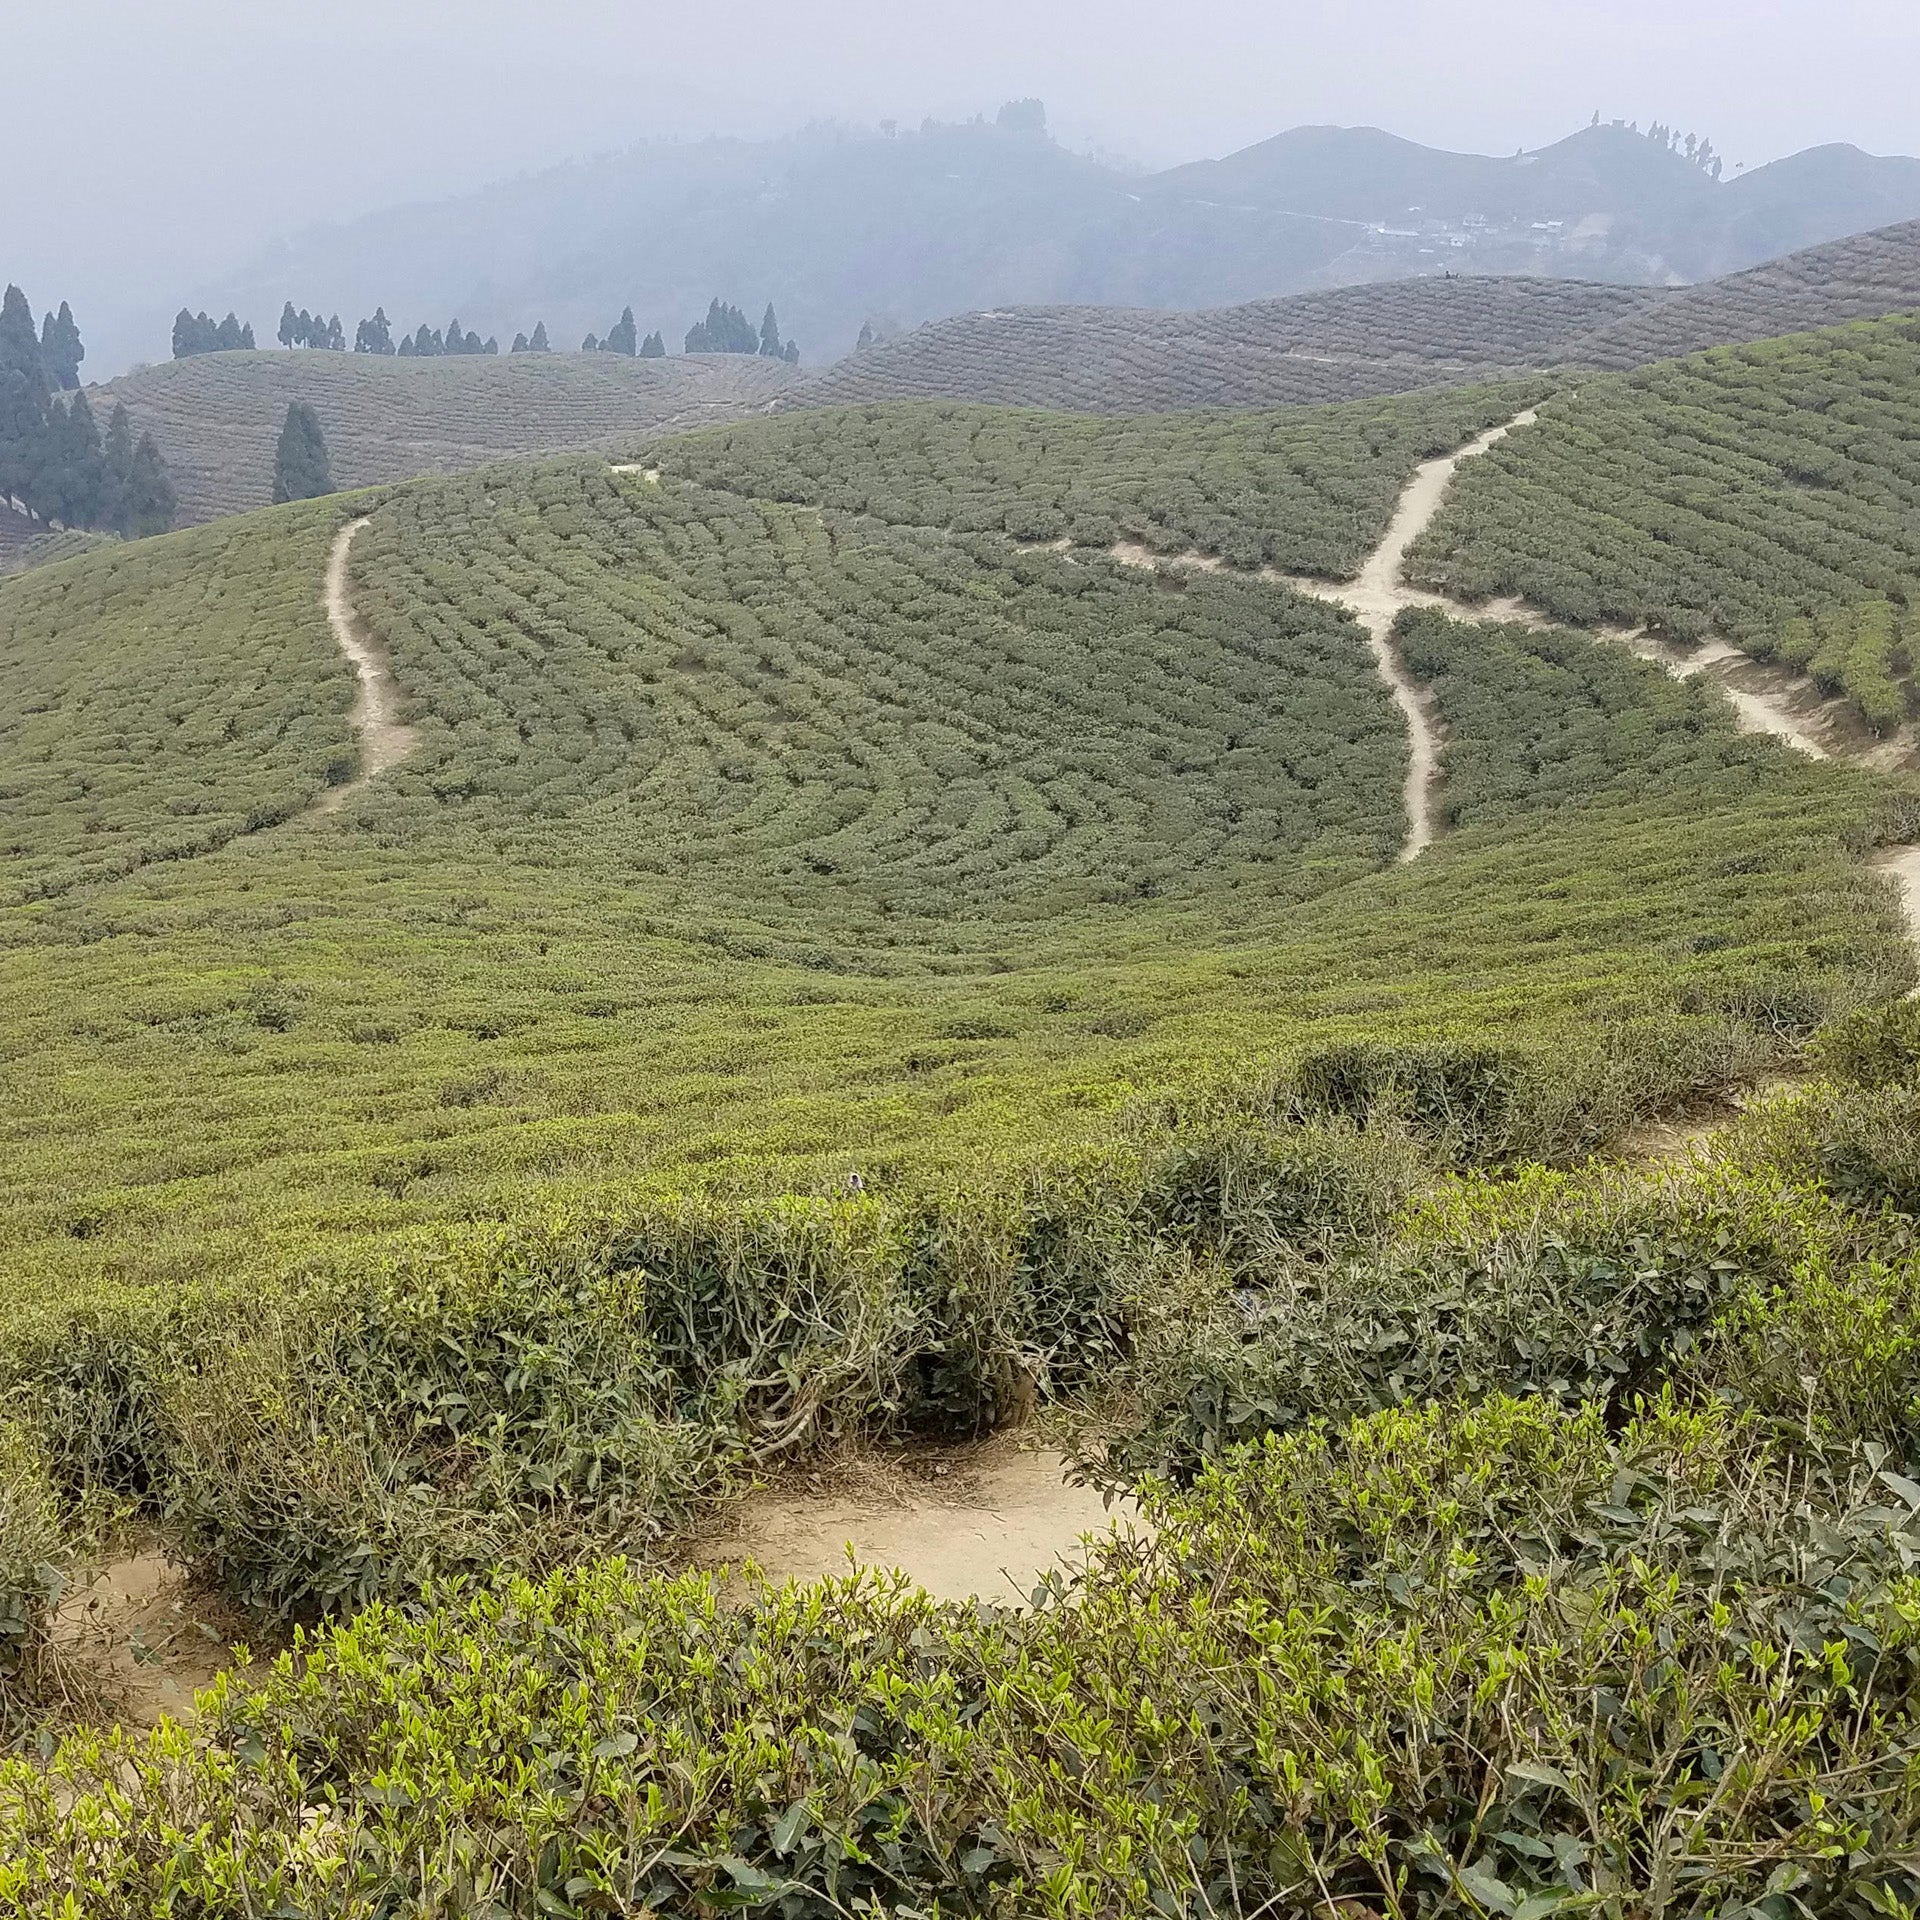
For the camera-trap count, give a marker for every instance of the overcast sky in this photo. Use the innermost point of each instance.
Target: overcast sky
(163, 141)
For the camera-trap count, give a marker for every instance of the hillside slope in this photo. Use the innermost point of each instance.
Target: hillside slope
(1349, 344)
(1860, 278)
(839, 226)
(1363, 341)
(217, 416)
(1768, 494)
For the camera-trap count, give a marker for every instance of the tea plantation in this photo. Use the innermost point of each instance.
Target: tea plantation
(1767, 493)
(216, 416)
(831, 970)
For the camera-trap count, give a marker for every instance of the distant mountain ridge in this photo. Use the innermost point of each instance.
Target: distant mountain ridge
(840, 227)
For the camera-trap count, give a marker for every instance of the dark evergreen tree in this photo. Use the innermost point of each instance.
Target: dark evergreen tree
(770, 345)
(539, 342)
(375, 335)
(75, 482)
(186, 334)
(60, 349)
(725, 330)
(866, 338)
(590, 345)
(117, 458)
(336, 336)
(623, 337)
(790, 353)
(230, 336)
(151, 502)
(653, 347)
(300, 467)
(519, 344)
(406, 347)
(290, 326)
(26, 400)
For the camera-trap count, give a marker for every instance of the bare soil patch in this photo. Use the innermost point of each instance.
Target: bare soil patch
(982, 1522)
(133, 1641)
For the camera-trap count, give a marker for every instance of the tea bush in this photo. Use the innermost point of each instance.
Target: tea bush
(1305, 491)
(1436, 1663)
(1766, 492)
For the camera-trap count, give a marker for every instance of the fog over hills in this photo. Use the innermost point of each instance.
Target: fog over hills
(843, 227)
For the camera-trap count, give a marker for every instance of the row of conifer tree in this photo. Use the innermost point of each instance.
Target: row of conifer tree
(726, 329)
(54, 460)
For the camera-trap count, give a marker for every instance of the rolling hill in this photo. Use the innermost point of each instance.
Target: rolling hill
(1366, 340)
(840, 226)
(216, 417)
(1313, 348)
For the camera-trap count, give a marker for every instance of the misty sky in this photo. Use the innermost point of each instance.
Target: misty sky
(165, 143)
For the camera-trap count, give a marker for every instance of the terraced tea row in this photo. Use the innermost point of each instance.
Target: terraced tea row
(1864, 277)
(1364, 341)
(886, 728)
(1766, 493)
(216, 417)
(1353, 343)
(164, 697)
(1304, 492)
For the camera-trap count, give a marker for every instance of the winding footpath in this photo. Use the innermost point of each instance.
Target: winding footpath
(385, 739)
(1764, 700)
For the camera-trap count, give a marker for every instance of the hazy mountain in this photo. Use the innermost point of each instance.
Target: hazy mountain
(841, 227)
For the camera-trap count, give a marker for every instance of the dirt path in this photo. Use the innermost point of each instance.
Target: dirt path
(385, 739)
(134, 1641)
(1375, 597)
(971, 1523)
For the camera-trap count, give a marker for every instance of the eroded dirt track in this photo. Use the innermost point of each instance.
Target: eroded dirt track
(385, 739)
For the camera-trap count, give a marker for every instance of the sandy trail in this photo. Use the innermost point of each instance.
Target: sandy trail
(1375, 597)
(385, 739)
(976, 1523)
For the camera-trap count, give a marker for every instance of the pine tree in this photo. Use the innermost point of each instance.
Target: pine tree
(117, 457)
(25, 403)
(623, 338)
(770, 347)
(230, 336)
(289, 326)
(375, 335)
(539, 344)
(589, 345)
(246, 341)
(790, 353)
(654, 346)
(519, 344)
(406, 347)
(866, 337)
(61, 350)
(151, 502)
(336, 338)
(300, 467)
(75, 483)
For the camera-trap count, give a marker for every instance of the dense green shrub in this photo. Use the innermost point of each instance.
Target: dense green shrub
(34, 1551)
(1428, 1664)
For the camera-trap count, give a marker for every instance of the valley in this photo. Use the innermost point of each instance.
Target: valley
(1114, 1114)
